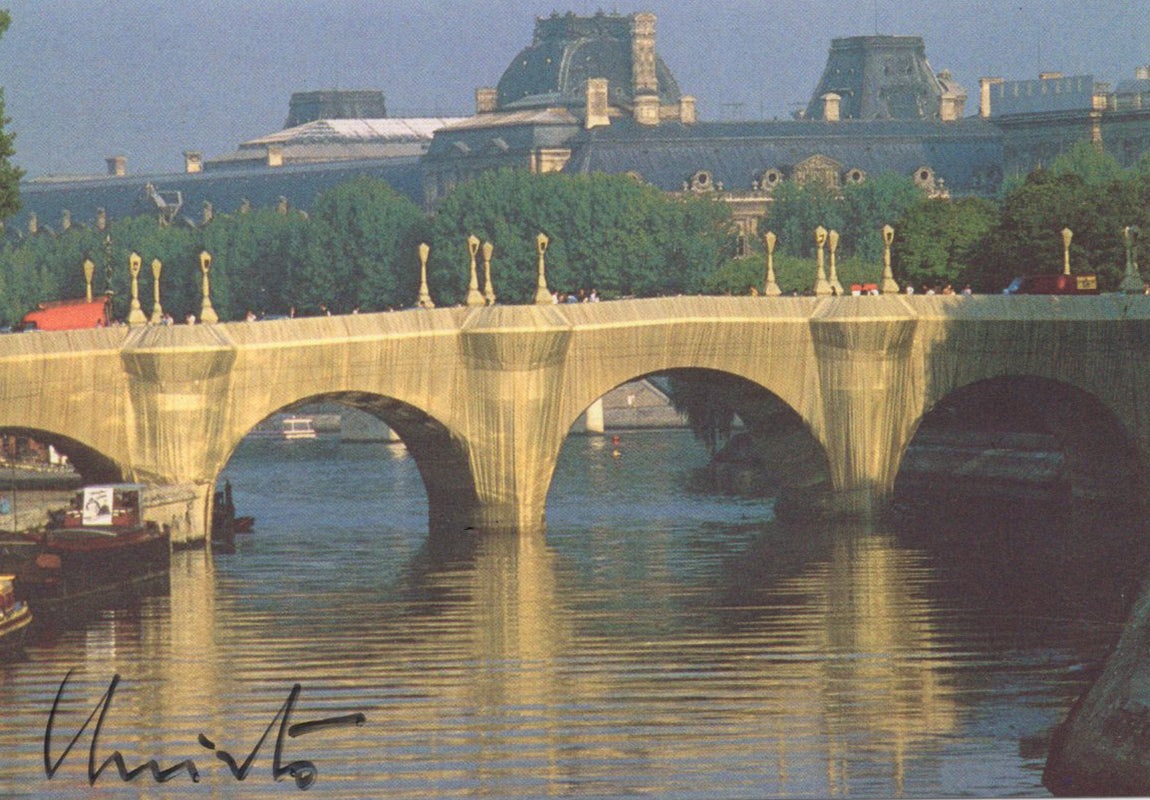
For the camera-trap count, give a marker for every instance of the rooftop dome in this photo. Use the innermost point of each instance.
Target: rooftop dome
(568, 50)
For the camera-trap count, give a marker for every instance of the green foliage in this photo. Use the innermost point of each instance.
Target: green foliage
(858, 213)
(254, 256)
(798, 210)
(606, 232)
(868, 206)
(937, 241)
(362, 249)
(10, 174)
(736, 276)
(1027, 238)
(1092, 164)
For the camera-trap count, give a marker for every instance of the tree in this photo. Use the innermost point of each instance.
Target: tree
(937, 241)
(254, 258)
(1089, 162)
(1027, 238)
(10, 174)
(868, 206)
(362, 249)
(797, 210)
(607, 232)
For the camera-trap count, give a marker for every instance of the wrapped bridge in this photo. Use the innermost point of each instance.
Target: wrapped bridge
(483, 397)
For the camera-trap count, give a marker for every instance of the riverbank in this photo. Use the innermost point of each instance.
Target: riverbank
(1103, 747)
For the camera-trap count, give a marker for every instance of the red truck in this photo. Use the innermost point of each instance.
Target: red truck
(66, 315)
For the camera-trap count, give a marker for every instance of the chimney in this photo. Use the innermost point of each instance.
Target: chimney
(831, 106)
(984, 85)
(596, 104)
(275, 155)
(486, 100)
(101, 219)
(65, 220)
(647, 109)
(116, 166)
(687, 110)
(33, 224)
(643, 77)
(1142, 73)
(193, 162)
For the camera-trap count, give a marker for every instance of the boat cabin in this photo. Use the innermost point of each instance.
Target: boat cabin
(8, 602)
(114, 505)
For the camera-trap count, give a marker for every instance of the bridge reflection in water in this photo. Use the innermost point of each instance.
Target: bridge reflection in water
(659, 639)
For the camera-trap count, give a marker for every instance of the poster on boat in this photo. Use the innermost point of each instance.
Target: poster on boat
(97, 505)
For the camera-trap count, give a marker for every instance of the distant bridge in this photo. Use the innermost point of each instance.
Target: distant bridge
(483, 397)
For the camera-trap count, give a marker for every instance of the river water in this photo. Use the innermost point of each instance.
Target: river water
(658, 640)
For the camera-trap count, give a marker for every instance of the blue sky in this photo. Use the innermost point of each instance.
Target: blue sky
(85, 79)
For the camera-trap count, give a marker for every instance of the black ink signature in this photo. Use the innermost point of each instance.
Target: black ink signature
(304, 772)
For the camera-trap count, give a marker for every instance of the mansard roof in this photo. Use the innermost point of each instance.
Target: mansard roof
(879, 77)
(224, 189)
(341, 139)
(965, 153)
(568, 50)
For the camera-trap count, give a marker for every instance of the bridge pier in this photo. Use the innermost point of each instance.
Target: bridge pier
(868, 405)
(514, 358)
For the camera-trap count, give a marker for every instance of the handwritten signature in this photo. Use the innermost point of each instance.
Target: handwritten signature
(303, 771)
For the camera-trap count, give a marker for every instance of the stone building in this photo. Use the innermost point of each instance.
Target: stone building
(1041, 119)
(328, 144)
(591, 94)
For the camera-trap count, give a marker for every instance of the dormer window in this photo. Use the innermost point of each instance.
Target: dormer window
(702, 181)
(770, 179)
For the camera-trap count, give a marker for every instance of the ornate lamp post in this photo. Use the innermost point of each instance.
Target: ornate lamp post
(822, 288)
(833, 280)
(157, 309)
(474, 297)
(771, 288)
(1132, 280)
(207, 313)
(424, 300)
(1067, 235)
(89, 271)
(542, 295)
(488, 287)
(135, 313)
(889, 286)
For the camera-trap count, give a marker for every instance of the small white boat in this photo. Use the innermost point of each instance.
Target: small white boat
(298, 428)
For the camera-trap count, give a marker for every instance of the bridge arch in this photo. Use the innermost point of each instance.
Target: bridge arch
(1036, 417)
(774, 427)
(440, 454)
(90, 463)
